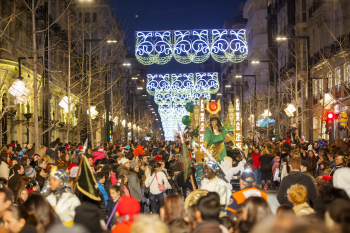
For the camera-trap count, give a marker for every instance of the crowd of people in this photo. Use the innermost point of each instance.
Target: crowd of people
(140, 188)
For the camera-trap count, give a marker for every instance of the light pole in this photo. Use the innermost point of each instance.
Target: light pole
(309, 81)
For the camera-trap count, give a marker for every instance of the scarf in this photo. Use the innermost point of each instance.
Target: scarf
(64, 187)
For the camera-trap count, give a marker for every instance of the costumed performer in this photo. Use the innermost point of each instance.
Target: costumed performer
(214, 137)
(214, 181)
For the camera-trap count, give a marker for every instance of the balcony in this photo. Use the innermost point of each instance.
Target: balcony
(317, 4)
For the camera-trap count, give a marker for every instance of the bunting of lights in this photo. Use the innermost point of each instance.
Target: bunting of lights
(159, 47)
(172, 91)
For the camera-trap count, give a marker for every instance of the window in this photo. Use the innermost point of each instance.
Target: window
(87, 17)
(304, 17)
(330, 82)
(315, 88)
(316, 124)
(347, 75)
(338, 79)
(94, 17)
(303, 5)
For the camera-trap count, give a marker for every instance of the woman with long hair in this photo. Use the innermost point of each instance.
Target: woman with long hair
(42, 151)
(156, 181)
(312, 161)
(265, 168)
(22, 196)
(16, 218)
(23, 181)
(254, 210)
(43, 211)
(172, 208)
(326, 170)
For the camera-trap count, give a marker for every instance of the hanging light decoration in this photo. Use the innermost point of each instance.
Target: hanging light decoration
(290, 110)
(19, 91)
(123, 123)
(266, 113)
(134, 126)
(93, 111)
(64, 104)
(115, 120)
(104, 116)
(328, 101)
(129, 125)
(186, 46)
(173, 91)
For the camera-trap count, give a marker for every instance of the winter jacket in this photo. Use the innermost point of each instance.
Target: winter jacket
(134, 186)
(98, 155)
(100, 204)
(13, 181)
(124, 226)
(296, 177)
(4, 170)
(210, 227)
(153, 182)
(113, 178)
(101, 187)
(312, 178)
(265, 162)
(335, 168)
(65, 206)
(122, 170)
(306, 157)
(52, 154)
(303, 210)
(110, 206)
(276, 164)
(175, 168)
(256, 163)
(319, 179)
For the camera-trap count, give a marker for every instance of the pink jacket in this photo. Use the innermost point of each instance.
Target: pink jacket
(113, 179)
(98, 155)
(276, 164)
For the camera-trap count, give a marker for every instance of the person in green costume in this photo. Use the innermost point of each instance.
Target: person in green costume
(214, 137)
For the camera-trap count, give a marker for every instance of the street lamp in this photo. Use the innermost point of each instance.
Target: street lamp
(309, 104)
(238, 76)
(255, 62)
(140, 88)
(126, 64)
(112, 41)
(228, 86)
(134, 78)
(218, 94)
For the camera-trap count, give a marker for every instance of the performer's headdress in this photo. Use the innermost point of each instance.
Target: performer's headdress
(215, 167)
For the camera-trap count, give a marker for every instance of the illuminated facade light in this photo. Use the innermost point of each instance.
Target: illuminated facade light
(115, 120)
(218, 94)
(140, 88)
(281, 38)
(328, 101)
(290, 110)
(123, 123)
(64, 104)
(238, 76)
(129, 125)
(112, 41)
(172, 91)
(255, 62)
(134, 78)
(227, 86)
(93, 111)
(19, 91)
(144, 95)
(191, 46)
(266, 113)
(126, 64)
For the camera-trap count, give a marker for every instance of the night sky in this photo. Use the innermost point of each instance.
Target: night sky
(156, 15)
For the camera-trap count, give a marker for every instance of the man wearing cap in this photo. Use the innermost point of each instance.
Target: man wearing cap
(304, 168)
(247, 190)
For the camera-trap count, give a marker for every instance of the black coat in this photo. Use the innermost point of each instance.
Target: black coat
(110, 206)
(13, 181)
(295, 177)
(52, 154)
(266, 162)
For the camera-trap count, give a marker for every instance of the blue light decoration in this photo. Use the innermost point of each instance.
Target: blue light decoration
(186, 46)
(263, 123)
(172, 91)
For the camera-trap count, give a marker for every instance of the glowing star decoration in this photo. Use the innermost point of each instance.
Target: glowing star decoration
(19, 91)
(238, 124)
(191, 46)
(172, 91)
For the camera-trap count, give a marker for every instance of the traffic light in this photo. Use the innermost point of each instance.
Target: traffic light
(330, 122)
(110, 131)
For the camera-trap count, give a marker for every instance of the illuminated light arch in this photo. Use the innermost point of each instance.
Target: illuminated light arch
(172, 91)
(191, 46)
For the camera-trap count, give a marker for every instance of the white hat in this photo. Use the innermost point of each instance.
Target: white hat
(123, 161)
(341, 179)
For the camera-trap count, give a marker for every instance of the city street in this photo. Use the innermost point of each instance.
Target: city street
(272, 200)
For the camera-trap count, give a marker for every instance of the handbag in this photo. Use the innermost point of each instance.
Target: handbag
(147, 190)
(276, 176)
(160, 186)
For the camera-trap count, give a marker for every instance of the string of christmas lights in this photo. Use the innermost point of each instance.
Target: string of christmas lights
(187, 46)
(172, 91)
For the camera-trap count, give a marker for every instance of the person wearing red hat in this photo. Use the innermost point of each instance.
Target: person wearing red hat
(127, 211)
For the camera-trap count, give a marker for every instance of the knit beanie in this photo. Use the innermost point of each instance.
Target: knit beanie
(123, 161)
(29, 172)
(133, 165)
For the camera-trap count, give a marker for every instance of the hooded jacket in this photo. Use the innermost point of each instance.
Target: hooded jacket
(98, 155)
(139, 151)
(256, 163)
(296, 177)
